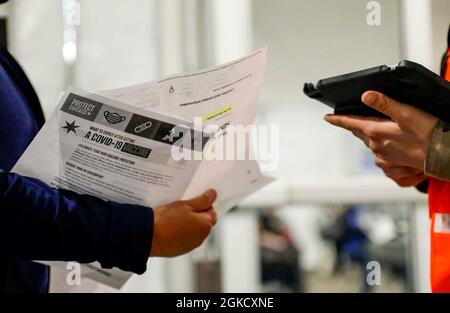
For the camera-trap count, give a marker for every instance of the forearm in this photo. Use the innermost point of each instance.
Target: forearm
(41, 223)
(437, 163)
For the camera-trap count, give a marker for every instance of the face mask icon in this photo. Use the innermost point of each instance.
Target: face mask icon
(114, 118)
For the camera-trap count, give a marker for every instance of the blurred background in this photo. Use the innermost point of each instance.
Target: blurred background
(331, 213)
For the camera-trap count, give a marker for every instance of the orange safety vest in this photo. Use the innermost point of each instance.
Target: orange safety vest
(439, 210)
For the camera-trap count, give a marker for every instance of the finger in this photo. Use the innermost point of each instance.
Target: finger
(365, 127)
(402, 172)
(350, 122)
(411, 181)
(397, 111)
(382, 163)
(209, 215)
(361, 136)
(394, 170)
(203, 202)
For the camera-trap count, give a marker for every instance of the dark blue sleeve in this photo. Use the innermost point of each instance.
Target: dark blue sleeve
(38, 222)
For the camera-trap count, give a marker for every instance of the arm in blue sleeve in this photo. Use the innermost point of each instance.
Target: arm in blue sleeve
(38, 222)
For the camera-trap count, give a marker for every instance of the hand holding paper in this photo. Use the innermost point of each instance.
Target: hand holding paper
(186, 222)
(119, 145)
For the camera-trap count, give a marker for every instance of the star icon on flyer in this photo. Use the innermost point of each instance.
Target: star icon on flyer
(70, 127)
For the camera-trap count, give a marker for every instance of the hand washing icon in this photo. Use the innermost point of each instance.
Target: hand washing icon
(114, 118)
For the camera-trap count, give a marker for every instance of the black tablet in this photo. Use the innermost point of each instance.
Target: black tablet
(407, 82)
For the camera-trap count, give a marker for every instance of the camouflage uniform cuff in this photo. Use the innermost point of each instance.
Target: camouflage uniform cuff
(437, 163)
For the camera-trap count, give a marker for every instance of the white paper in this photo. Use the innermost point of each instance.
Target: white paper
(116, 145)
(113, 160)
(238, 83)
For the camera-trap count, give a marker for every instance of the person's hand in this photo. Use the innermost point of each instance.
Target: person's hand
(404, 176)
(182, 226)
(400, 144)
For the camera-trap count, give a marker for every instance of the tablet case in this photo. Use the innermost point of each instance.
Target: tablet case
(407, 82)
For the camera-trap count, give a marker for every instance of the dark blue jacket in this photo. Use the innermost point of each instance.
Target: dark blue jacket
(41, 223)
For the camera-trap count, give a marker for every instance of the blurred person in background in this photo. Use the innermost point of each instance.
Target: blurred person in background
(279, 256)
(350, 242)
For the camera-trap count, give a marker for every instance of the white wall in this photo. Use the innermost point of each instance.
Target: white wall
(118, 43)
(35, 39)
(440, 10)
(310, 40)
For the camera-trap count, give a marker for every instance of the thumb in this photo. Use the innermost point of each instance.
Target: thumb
(204, 201)
(210, 215)
(382, 103)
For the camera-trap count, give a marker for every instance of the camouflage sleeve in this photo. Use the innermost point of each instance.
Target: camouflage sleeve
(437, 163)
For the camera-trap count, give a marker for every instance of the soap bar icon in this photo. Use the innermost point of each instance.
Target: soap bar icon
(142, 127)
(113, 117)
